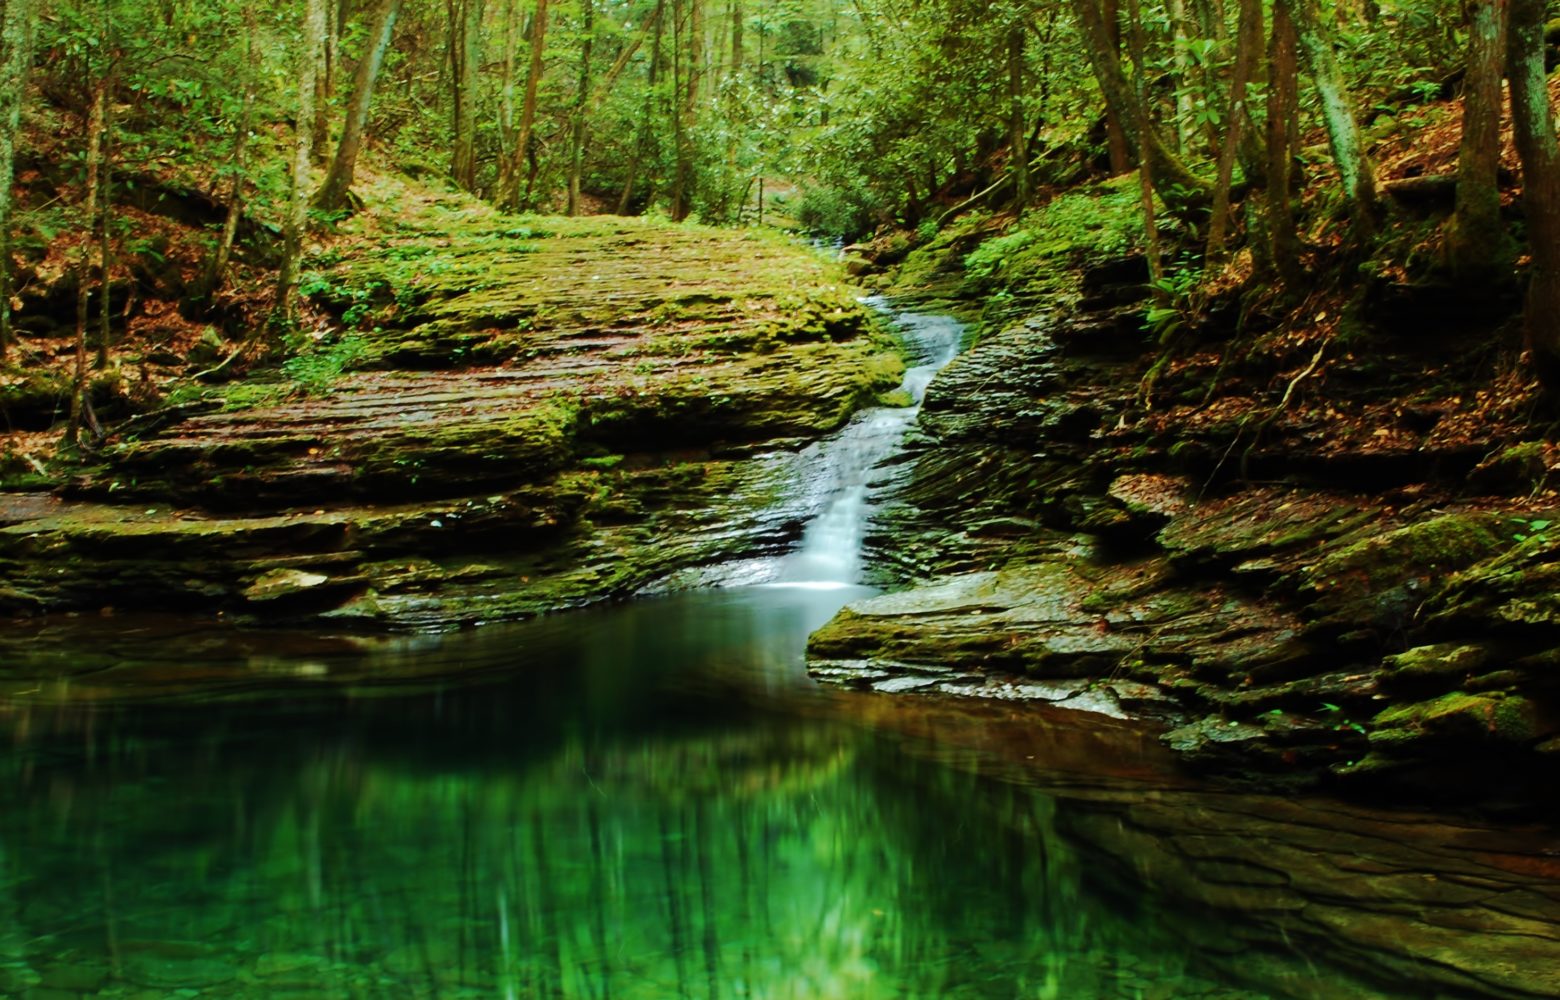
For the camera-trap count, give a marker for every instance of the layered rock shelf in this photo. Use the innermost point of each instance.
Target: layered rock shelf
(506, 418)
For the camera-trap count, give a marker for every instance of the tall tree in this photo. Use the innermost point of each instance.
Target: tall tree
(646, 131)
(80, 406)
(1018, 131)
(465, 17)
(505, 187)
(1175, 182)
(309, 52)
(1476, 242)
(336, 187)
(581, 105)
(522, 154)
(1534, 125)
(16, 37)
(1283, 113)
(238, 164)
(1248, 45)
(1343, 131)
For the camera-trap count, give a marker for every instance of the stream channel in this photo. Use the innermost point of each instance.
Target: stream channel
(652, 800)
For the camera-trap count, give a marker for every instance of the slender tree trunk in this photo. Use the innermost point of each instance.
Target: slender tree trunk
(78, 396)
(1248, 45)
(736, 39)
(1018, 134)
(1174, 181)
(1180, 57)
(1156, 267)
(16, 37)
(237, 165)
(581, 105)
(1343, 133)
(465, 60)
(1119, 149)
(646, 115)
(106, 195)
(325, 81)
(282, 312)
(679, 123)
(506, 186)
(1283, 111)
(533, 79)
(1534, 125)
(337, 185)
(1476, 242)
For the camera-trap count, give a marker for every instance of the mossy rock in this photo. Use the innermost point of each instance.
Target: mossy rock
(1458, 716)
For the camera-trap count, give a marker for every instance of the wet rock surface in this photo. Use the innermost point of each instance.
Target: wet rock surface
(1295, 631)
(532, 419)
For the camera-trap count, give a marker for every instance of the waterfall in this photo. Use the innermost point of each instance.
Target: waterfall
(829, 555)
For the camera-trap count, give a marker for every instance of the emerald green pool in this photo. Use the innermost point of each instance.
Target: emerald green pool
(653, 801)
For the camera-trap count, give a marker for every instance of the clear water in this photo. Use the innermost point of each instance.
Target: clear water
(653, 801)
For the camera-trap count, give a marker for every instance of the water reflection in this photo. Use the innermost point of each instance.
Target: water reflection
(652, 801)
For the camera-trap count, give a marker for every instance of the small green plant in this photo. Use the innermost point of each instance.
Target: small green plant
(1334, 715)
(315, 372)
(1530, 528)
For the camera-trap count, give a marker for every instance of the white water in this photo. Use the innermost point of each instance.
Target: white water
(829, 555)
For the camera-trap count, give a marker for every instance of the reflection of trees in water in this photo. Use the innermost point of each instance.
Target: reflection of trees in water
(770, 861)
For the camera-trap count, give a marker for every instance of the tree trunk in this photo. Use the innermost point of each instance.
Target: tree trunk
(679, 123)
(1248, 44)
(647, 114)
(1018, 136)
(298, 205)
(16, 37)
(78, 395)
(1115, 135)
(1174, 181)
(337, 185)
(1283, 112)
(533, 78)
(1156, 268)
(1476, 242)
(581, 105)
(325, 79)
(1180, 45)
(1534, 126)
(1343, 133)
(106, 193)
(736, 39)
(465, 18)
(505, 186)
(217, 275)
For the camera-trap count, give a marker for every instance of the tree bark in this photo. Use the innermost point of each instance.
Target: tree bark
(1248, 44)
(106, 193)
(298, 204)
(1018, 135)
(16, 38)
(506, 109)
(78, 395)
(465, 17)
(1343, 133)
(1283, 112)
(337, 185)
(533, 78)
(1533, 123)
(325, 79)
(1151, 251)
(1477, 246)
(1174, 181)
(581, 105)
(1119, 150)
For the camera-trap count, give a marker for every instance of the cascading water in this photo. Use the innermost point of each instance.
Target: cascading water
(830, 551)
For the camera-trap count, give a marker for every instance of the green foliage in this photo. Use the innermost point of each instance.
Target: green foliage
(314, 372)
(845, 212)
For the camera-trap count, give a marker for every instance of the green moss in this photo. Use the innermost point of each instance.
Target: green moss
(1495, 716)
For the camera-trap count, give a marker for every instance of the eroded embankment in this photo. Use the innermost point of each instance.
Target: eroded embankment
(1349, 582)
(509, 416)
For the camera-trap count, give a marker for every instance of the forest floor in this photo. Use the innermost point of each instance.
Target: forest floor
(593, 392)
